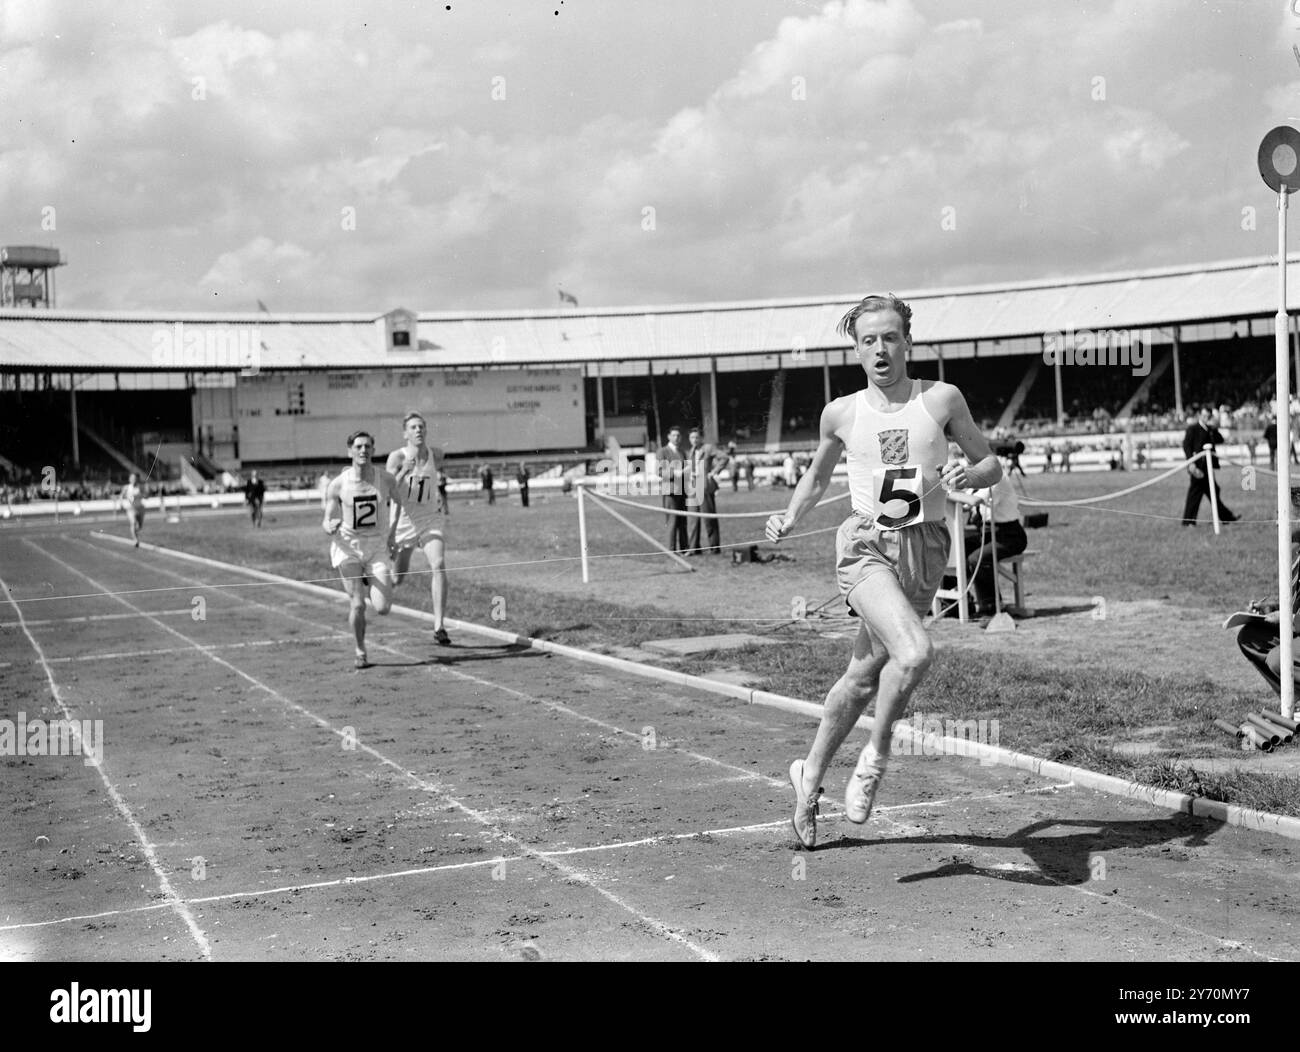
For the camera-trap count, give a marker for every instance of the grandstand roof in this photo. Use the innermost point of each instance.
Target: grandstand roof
(87, 341)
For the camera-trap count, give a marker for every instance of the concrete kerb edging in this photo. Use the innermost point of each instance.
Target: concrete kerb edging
(1229, 814)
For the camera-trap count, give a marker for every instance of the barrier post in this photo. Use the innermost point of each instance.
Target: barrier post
(1001, 622)
(582, 533)
(1212, 483)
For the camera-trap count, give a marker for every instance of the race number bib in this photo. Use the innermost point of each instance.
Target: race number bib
(897, 493)
(365, 512)
(419, 489)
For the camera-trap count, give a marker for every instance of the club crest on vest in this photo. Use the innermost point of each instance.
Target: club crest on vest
(893, 446)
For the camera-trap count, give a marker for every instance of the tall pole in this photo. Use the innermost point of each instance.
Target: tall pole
(1280, 363)
(76, 439)
(1178, 378)
(1060, 400)
(582, 533)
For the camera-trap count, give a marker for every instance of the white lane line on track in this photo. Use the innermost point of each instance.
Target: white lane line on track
(93, 617)
(174, 901)
(879, 812)
(290, 889)
(555, 706)
(657, 926)
(115, 655)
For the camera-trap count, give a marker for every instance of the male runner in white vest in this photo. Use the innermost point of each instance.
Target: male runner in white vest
(892, 551)
(416, 467)
(356, 517)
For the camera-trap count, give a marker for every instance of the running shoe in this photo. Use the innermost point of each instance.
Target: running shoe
(362, 661)
(805, 808)
(442, 638)
(861, 791)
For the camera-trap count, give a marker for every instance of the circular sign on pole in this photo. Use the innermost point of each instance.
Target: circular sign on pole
(1279, 158)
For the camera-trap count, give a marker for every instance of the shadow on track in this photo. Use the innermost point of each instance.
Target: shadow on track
(1065, 859)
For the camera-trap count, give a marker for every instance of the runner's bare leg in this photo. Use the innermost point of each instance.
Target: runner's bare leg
(890, 656)
(434, 552)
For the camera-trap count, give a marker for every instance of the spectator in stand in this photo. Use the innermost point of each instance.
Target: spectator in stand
(1270, 439)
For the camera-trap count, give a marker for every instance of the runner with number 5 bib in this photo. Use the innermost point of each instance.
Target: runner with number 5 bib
(356, 517)
(892, 551)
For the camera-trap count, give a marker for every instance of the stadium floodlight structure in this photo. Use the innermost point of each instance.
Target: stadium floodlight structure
(1279, 164)
(27, 275)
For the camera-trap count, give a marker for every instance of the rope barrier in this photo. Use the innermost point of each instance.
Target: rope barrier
(708, 514)
(1109, 496)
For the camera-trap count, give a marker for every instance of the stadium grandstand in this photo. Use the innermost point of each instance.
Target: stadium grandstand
(193, 399)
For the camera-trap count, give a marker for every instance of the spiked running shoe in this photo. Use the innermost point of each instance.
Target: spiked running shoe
(861, 792)
(805, 808)
(441, 638)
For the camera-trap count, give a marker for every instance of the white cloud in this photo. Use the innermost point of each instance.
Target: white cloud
(463, 200)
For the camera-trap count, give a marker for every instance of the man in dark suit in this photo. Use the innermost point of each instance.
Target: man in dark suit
(704, 463)
(1202, 432)
(672, 465)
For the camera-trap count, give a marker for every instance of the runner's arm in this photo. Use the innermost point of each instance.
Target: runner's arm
(395, 496)
(333, 508)
(985, 469)
(815, 480)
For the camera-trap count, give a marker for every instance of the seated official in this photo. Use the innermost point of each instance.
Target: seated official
(1000, 505)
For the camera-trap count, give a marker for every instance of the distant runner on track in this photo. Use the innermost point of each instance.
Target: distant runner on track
(892, 551)
(417, 467)
(133, 499)
(357, 518)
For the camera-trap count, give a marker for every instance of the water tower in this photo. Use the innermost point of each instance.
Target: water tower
(27, 275)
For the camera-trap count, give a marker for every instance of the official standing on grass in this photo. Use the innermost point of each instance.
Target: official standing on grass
(893, 549)
(672, 466)
(254, 497)
(703, 466)
(522, 477)
(1201, 481)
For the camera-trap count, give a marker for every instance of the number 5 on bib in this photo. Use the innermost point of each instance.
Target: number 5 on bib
(897, 494)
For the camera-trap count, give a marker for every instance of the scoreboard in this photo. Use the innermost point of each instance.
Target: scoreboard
(306, 416)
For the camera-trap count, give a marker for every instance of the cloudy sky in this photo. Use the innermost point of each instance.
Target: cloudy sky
(480, 153)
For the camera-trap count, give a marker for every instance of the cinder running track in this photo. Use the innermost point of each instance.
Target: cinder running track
(259, 800)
